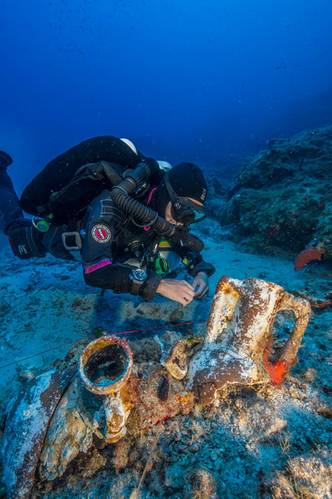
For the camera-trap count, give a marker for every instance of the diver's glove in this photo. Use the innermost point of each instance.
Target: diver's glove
(25, 240)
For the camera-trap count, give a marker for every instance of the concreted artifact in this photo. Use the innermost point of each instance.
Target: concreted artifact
(105, 393)
(239, 337)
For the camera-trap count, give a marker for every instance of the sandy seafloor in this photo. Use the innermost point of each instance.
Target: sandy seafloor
(274, 442)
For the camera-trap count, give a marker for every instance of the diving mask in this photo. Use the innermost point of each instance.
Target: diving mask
(184, 209)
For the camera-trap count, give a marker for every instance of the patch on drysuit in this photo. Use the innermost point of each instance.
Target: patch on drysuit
(101, 233)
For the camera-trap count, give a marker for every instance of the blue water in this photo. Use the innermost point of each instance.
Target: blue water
(202, 80)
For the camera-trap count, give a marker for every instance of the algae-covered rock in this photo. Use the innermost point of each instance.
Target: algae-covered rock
(283, 197)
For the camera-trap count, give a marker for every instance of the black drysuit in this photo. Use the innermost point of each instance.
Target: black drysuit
(107, 242)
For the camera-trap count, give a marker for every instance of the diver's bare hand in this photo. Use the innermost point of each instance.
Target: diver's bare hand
(179, 291)
(201, 285)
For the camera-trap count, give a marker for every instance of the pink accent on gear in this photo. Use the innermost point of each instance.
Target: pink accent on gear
(97, 266)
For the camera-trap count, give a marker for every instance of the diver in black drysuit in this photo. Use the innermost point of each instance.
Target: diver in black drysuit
(79, 220)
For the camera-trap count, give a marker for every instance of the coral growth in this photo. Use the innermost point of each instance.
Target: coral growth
(283, 198)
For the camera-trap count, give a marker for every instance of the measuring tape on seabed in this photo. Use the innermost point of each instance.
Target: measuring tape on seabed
(130, 331)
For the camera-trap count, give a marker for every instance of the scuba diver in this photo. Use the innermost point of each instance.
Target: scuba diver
(124, 216)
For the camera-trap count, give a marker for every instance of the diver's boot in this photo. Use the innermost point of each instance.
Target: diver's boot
(10, 210)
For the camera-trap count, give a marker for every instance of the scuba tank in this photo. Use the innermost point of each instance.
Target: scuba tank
(68, 183)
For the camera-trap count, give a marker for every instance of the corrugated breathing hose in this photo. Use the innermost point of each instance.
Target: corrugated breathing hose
(145, 215)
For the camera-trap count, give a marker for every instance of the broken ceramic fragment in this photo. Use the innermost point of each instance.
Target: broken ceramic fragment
(27, 423)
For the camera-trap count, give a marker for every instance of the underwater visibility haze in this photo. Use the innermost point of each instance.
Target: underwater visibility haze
(142, 354)
(186, 80)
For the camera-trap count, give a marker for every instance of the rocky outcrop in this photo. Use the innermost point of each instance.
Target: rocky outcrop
(283, 198)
